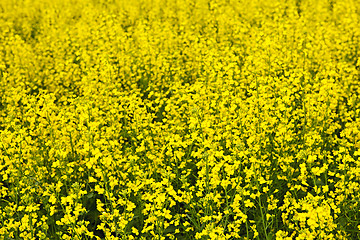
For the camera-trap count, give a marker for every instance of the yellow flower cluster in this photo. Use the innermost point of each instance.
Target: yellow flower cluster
(179, 119)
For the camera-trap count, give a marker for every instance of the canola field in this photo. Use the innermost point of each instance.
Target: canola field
(179, 119)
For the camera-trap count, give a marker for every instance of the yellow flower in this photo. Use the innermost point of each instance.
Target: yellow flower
(248, 203)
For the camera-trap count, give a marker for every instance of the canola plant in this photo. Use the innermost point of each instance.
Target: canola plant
(179, 119)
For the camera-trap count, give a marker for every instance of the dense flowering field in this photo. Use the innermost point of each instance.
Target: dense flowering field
(180, 119)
